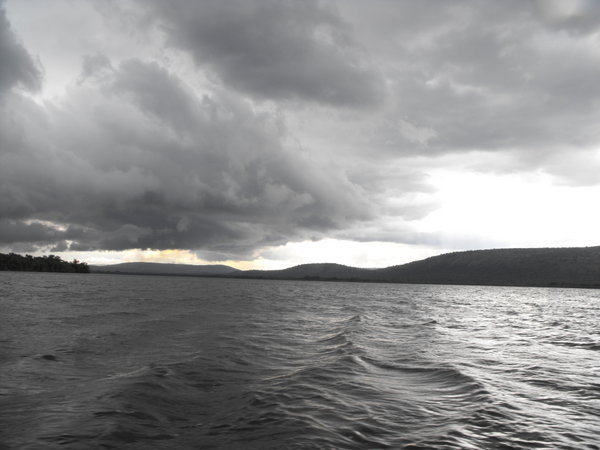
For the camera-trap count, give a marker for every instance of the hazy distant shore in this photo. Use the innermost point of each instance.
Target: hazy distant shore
(577, 267)
(546, 267)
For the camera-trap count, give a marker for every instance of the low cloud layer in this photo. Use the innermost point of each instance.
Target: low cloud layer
(135, 159)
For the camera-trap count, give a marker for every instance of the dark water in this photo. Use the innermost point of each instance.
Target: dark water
(101, 361)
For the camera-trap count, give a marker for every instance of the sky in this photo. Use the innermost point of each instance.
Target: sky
(264, 134)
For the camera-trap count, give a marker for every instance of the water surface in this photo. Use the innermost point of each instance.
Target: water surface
(141, 362)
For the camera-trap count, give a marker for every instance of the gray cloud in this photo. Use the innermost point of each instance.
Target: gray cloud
(274, 49)
(176, 147)
(515, 76)
(96, 66)
(16, 231)
(16, 65)
(573, 16)
(134, 159)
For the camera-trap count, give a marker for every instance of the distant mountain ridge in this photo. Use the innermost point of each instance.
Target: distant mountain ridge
(311, 271)
(568, 267)
(150, 268)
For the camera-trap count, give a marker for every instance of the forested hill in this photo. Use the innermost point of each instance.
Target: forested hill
(49, 263)
(318, 271)
(511, 267)
(149, 268)
(577, 267)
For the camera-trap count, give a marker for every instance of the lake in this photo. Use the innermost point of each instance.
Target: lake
(142, 362)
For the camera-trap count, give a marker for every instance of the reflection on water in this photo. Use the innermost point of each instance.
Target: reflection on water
(141, 362)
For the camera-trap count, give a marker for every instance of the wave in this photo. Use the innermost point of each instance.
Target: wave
(578, 344)
(336, 396)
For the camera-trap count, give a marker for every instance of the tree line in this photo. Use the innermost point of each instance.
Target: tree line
(49, 263)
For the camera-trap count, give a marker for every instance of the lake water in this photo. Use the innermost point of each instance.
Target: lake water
(140, 362)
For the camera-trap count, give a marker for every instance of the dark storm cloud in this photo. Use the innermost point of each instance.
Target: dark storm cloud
(274, 49)
(133, 158)
(16, 65)
(15, 231)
